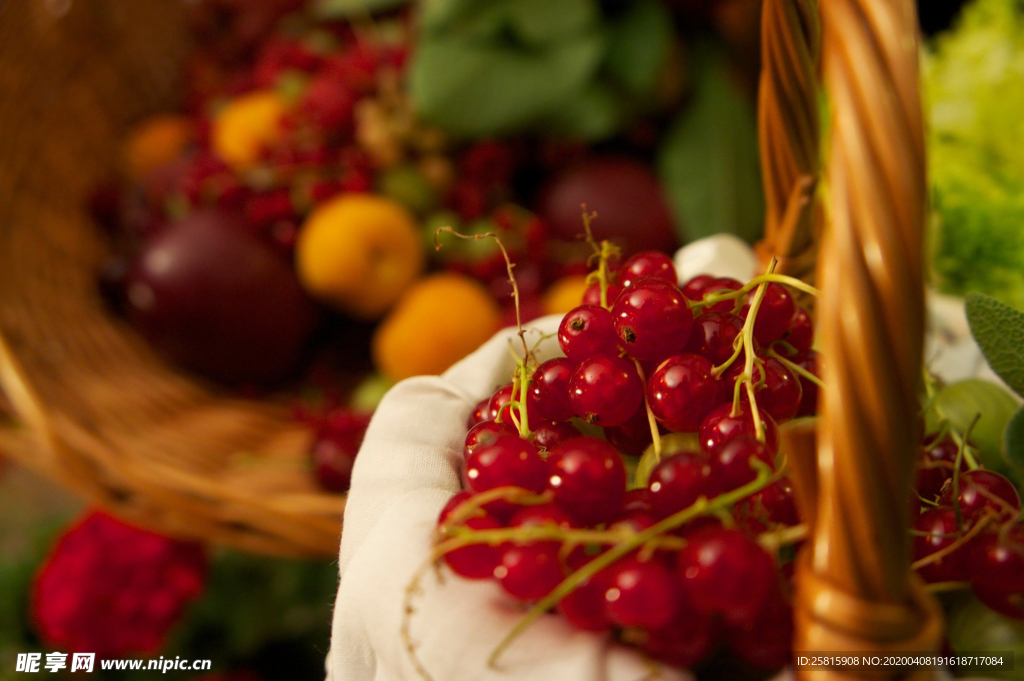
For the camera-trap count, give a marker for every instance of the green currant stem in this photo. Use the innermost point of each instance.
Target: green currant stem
(603, 252)
(747, 334)
(700, 507)
(943, 587)
(796, 368)
(961, 442)
(714, 298)
(651, 421)
(962, 447)
(773, 540)
(471, 507)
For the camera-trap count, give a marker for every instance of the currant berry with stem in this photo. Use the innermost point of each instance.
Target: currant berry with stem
(714, 335)
(997, 570)
(779, 392)
(774, 314)
(641, 593)
(549, 390)
(592, 294)
(725, 573)
(935, 465)
(694, 288)
(770, 507)
(721, 285)
(678, 481)
(934, 530)
(586, 331)
(721, 425)
(980, 491)
(588, 479)
(682, 391)
(800, 334)
(481, 412)
(548, 434)
(584, 608)
(485, 433)
(605, 390)
(476, 561)
(730, 465)
(528, 572)
(508, 461)
(652, 320)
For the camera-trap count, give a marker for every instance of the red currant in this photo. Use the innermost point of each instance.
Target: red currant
(720, 426)
(935, 466)
(548, 396)
(453, 504)
(935, 529)
(723, 572)
(765, 642)
(722, 285)
(780, 394)
(637, 501)
(652, 320)
(508, 461)
(810, 363)
(481, 412)
(529, 571)
(774, 314)
(592, 295)
(682, 391)
(588, 479)
(606, 390)
(633, 436)
(641, 594)
(731, 464)
(678, 481)
(476, 561)
(686, 641)
(547, 435)
(801, 331)
(713, 335)
(693, 289)
(501, 409)
(997, 570)
(485, 433)
(654, 264)
(586, 331)
(584, 607)
(981, 490)
(773, 505)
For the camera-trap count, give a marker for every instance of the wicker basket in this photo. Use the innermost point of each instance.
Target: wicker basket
(107, 418)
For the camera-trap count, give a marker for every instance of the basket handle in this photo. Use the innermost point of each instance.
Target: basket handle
(855, 588)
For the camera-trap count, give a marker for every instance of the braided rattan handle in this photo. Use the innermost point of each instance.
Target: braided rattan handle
(855, 588)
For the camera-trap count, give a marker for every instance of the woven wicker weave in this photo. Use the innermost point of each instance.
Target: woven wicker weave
(107, 418)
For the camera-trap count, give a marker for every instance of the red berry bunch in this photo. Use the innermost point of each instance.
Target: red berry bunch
(114, 589)
(970, 529)
(684, 553)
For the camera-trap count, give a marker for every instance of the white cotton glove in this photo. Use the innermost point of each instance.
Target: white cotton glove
(406, 471)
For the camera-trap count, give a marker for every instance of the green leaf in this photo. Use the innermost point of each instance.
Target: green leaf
(976, 629)
(709, 163)
(342, 9)
(959, 403)
(533, 23)
(537, 22)
(593, 114)
(1013, 442)
(473, 88)
(638, 46)
(999, 331)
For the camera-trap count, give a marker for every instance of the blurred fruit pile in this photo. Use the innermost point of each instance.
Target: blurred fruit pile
(282, 227)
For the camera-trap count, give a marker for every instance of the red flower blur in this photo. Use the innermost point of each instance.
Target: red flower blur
(113, 589)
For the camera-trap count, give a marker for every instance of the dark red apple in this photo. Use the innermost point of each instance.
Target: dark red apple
(626, 195)
(218, 301)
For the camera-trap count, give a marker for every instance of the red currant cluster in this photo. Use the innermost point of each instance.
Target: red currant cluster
(970, 529)
(636, 483)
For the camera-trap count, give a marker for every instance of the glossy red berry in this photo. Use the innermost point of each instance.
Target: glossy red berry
(722, 285)
(637, 501)
(781, 392)
(529, 571)
(768, 507)
(606, 390)
(586, 331)
(481, 412)
(678, 481)
(934, 530)
(774, 314)
(476, 561)
(453, 503)
(641, 594)
(997, 570)
(547, 435)
(652, 320)
(501, 397)
(584, 607)
(800, 333)
(713, 335)
(548, 395)
(693, 289)
(653, 264)
(935, 466)
(982, 491)
(682, 391)
(588, 479)
(723, 572)
(720, 426)
(485, 433)
(811, 363)
(731, 464)
(508, 461)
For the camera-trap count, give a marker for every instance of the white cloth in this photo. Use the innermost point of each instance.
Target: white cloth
(406, 471)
